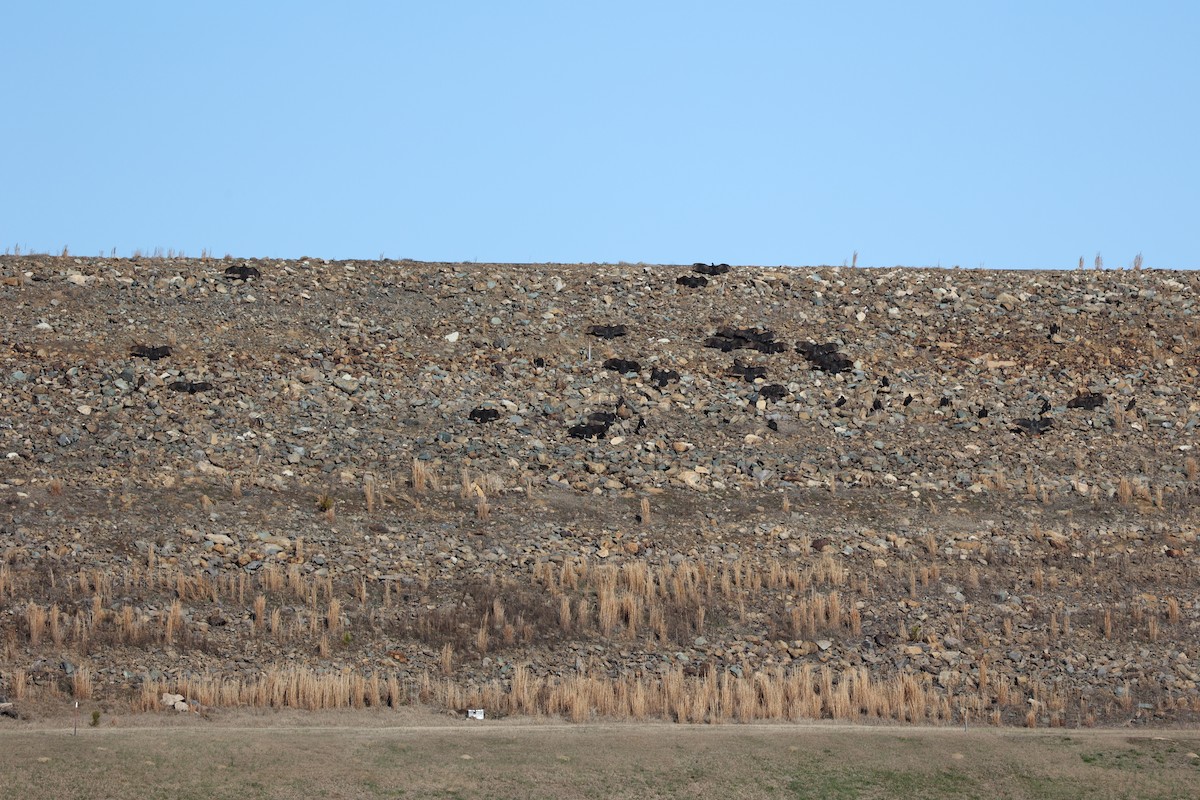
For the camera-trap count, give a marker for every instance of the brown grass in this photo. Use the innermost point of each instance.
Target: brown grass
(419, 476)
(35, 622)
(655, 606)
(370, 493)
(81, 682)
(333, 616)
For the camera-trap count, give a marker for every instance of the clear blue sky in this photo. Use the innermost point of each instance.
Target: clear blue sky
(997, 134)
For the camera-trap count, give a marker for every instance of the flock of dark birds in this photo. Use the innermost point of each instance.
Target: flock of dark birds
(821, 356)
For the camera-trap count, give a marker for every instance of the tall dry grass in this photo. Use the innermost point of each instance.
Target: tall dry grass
(707, 698)
(654, 605)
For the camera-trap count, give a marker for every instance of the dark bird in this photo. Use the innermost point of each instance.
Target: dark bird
(481, 415)
(760, 339)
(152, 353)
(191, 387)
(661, 377)
(605, 418)
(587, 430)
(622, 365)
(773, 391)
(242, 273)
(608, 331)
(1032, 427)
(825, 357)
(1089, 401)
(747, 373)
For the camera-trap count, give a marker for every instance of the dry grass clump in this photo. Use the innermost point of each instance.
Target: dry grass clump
(420, 477)
(1173, 610)
(81, 682)
(817, 613)
(674, 696)
(370, 493)
(757, 602)
(35, 623)
(333, 616)
(18, 684)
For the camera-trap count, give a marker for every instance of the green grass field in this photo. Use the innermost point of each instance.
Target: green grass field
(453, 759)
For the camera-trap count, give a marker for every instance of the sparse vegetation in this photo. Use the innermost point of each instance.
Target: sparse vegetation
(634, 601)
(973, 502)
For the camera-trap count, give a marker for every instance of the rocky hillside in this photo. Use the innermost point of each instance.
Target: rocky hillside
(979, 482)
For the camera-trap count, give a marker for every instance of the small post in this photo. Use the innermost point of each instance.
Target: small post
(76, 731)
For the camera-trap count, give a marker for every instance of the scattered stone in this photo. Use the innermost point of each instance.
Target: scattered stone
(344, 384)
